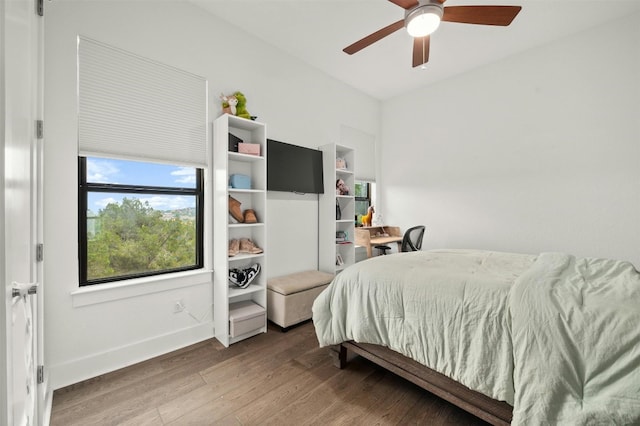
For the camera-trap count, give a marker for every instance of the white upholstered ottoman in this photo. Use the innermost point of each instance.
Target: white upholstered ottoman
(290, 297)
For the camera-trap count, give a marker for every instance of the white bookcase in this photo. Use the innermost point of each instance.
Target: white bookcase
(330, 250)
(225, 164)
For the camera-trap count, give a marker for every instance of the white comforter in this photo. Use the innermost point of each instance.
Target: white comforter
(447, 309)
(576, 340)
(565, 332)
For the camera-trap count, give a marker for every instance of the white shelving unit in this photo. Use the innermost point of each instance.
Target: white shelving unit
(225, 164)
(329, 224)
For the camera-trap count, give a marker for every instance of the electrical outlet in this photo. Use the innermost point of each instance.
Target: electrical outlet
(178, 306)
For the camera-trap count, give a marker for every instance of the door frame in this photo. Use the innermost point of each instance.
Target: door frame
(4, 314)
(35, 93)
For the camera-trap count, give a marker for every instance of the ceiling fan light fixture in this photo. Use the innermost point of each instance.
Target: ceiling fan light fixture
(423, 20)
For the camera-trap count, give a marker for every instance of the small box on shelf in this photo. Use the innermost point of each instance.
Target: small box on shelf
(249, 148)
(234, 141)
(245, 316)
(239, 181)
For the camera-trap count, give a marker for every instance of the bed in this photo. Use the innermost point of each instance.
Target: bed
(511, 338)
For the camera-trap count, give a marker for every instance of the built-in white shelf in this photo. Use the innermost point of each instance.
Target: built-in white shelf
(227, 163)
(329, 224)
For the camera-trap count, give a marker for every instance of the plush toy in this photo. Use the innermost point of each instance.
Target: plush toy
(235, 104)
(241, 108)
(229, 104)
(366, 219)
(341, 188)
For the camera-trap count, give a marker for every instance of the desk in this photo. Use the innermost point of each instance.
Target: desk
(369, 236)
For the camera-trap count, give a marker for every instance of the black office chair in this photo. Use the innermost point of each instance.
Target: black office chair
(412, 239)
(382, 249)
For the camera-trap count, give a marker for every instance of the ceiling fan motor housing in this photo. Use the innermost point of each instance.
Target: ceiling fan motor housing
(428, 11)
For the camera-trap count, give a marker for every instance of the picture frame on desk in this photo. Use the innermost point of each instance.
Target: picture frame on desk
(339, 260)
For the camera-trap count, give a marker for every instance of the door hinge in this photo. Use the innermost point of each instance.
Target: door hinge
(39, 129)
(40, 374)
(40, 7)
(39, 252)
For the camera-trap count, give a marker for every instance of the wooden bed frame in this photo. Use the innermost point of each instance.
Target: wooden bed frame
(488, 409)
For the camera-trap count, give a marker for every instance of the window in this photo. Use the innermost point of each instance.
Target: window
(138, 219)
(362, 193)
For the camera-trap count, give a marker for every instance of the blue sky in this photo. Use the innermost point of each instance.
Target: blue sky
(103, 170)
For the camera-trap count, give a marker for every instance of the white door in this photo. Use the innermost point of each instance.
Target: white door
(22, 29)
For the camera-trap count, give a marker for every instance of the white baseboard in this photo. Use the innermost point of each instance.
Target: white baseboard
(80, 369)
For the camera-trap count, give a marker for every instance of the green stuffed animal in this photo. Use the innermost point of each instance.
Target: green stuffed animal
(235, 104)
(241, 107)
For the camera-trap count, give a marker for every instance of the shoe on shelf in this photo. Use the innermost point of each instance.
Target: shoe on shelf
(234, 209)
(252, 272)
(248, 246)
(234, 247)
(238, 277)
(243, 277)
(250, 216)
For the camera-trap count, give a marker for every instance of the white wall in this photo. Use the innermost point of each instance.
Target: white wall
(539, 152)
(91, 333)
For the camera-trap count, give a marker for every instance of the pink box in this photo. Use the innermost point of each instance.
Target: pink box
(249, 148)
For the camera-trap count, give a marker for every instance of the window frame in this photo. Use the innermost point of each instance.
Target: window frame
(368, 197)
(368, 186)
(84, 188)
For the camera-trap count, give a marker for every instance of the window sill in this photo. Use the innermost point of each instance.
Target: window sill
(101, 293)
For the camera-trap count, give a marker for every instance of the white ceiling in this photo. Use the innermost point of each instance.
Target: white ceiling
(316, 31)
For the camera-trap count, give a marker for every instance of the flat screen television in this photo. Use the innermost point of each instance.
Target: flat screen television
(293, 168)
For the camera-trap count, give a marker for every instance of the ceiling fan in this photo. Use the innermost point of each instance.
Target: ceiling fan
(422, 17)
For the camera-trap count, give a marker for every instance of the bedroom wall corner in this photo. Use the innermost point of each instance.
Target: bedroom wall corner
(537, 152)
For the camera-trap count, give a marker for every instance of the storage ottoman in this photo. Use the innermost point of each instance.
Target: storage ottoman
(290, 297)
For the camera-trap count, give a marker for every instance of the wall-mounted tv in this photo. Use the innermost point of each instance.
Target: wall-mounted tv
(293, 168)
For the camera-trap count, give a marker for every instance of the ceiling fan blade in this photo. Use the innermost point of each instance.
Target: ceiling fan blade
(420, 50)
(372, 38)
(405, 4)
(484, 15)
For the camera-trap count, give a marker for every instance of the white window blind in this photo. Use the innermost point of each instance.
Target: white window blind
(135, 108)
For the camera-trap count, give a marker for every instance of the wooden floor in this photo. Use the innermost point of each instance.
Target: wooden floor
(273, 378)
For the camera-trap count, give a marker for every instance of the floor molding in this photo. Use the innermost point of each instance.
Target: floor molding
(80, 369)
